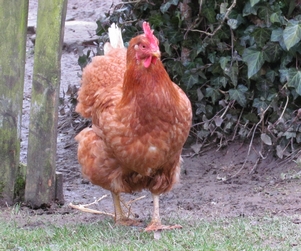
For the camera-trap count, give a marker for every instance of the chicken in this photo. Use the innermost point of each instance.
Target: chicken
(140, 122)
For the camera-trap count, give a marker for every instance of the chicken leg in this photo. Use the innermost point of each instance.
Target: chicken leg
(155, 224)
(120, 218)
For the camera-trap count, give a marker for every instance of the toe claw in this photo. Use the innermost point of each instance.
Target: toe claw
(129, 222)
(160, 227)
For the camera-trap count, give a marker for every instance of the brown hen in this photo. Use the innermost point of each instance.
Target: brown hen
(140, 118)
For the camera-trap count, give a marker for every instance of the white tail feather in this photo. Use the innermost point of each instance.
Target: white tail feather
(115, 36)
(115, 39)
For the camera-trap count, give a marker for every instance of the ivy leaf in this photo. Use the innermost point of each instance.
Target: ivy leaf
(203, 134)
(232, 72)
(174, 36)
(84, 59)
(164, 7)
(197, 49)
(223, 8)
(190, 80)
(292, 33)
(100, 28)
(212, 57)
(219, 81)
(271, 75)
(253, 2)
(223, 61)
(212, 93)
(218, 121)
(277, 35)
(284, 75)
(200, 94)
(196, 148)
(289, 134)
(167, 47)
(248, 10)
(264, 13)
(200, 110)
(209, 13)
(266, 139)
(275, 17)
(279, 151)
(261, 105)
(222, 46)
(261, 35)
(293, 77)
(252, 117)
(254, 59)
(285, 60)
(233, 23)
(239, 95)
(263, 86)
(178, 68)
(298, 140)
(156, 20)
(272, 52)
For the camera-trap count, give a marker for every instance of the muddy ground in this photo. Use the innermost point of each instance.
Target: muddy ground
(205, 191)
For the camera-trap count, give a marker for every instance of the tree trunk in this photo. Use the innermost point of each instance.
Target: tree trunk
(13, 24)
(42, 142)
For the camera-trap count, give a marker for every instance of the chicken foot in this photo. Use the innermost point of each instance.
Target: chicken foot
(155, 224)
(120, 218)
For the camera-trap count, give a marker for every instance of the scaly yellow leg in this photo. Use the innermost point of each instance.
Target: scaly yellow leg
(120, 218)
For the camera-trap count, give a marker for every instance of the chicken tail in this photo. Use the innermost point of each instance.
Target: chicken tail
(115, 38)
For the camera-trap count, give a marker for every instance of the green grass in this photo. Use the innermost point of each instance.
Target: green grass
(221, 234)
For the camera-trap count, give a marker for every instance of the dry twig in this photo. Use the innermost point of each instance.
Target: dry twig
(128, 205)
(251, 143)
(222, 22)
(85, 208)
(89, 210)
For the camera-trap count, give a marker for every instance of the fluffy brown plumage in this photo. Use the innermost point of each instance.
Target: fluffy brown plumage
(140, 119)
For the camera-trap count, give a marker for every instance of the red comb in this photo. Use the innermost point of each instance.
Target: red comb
(149, 33)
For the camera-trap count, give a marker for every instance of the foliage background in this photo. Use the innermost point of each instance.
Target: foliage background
(238, 61)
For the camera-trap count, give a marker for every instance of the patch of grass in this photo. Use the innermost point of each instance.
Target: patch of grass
(277, 233)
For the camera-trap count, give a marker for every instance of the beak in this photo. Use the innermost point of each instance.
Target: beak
(157, 54)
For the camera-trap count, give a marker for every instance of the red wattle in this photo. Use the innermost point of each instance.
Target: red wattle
(147, 62)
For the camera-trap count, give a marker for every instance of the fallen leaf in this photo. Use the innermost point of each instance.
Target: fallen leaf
(266, 139)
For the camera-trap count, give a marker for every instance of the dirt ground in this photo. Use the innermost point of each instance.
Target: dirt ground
(205, 189)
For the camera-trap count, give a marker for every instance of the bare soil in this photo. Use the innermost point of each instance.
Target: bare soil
(206, 189)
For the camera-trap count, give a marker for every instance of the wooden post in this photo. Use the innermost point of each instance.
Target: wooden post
(42, 141)
(13, 27)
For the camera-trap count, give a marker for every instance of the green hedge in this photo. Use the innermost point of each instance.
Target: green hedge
(238, 62)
